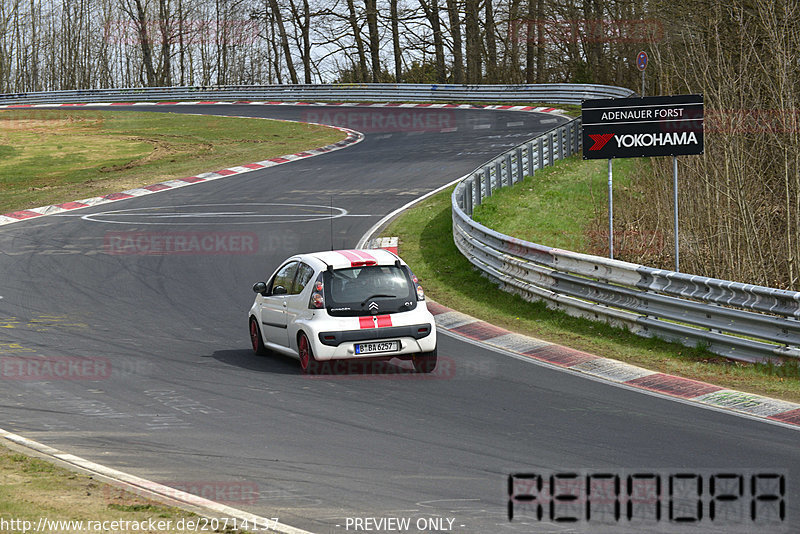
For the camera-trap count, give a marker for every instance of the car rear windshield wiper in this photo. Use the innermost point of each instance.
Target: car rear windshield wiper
(378, 296)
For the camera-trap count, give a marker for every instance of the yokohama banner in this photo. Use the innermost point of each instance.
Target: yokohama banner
(642, 127)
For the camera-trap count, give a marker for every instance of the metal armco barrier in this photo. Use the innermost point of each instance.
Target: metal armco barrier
(740, 321)
(348, 92)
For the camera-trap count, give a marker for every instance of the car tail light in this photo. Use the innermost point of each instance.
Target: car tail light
(420, 292)
(317, 300)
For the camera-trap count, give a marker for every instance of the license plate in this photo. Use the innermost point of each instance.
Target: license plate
(378, 346)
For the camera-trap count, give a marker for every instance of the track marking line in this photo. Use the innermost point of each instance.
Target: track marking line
(151, 488)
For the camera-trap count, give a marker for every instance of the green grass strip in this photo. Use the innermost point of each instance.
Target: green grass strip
(426, 243)
(54, 156)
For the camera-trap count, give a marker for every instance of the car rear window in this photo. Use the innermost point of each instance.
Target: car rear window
(370, 290)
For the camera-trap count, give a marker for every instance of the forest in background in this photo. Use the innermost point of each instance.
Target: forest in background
(77, 44)
(740, 201)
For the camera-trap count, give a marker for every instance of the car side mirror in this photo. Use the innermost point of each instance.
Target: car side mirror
(260, 287)
(278, 290)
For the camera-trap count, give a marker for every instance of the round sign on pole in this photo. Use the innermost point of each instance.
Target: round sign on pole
(641, 60)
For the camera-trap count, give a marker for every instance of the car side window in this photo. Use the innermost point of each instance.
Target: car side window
(304, 274)
(284, 278)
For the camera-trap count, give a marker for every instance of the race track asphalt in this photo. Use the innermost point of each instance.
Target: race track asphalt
(178, 397)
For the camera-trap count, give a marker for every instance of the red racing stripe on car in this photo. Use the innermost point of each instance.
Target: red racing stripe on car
(352, 258)
(380, 321)
(363, 255)
(358, 258)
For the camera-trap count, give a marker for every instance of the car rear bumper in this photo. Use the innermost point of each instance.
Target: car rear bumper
(414, 331)
(409, 344)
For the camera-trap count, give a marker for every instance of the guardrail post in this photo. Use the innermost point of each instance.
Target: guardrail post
(470, 192)
(541, 154)
(561, 150)
(529, 168)
(488, 173)
(550, 159)
(577, 140)
(520, 171)
(501, 174)
(570, 140)
(478, 178)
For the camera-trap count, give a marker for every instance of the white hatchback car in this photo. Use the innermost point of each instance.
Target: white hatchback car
(344, 304)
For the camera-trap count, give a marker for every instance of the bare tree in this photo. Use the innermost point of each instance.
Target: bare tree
(473, 37)
(371, 9)
(431, 8)
(458, 46)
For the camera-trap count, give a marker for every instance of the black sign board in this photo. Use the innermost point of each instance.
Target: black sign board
(642, 127)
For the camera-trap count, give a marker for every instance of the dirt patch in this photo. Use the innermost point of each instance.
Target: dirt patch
(161, 150)
(46, 126)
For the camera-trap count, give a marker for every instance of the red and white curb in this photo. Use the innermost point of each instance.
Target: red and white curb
(386, 243)
(463, 325)
(352, 138)
(151, 489)
(537, 109)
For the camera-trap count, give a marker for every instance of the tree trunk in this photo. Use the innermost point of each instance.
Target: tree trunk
(398, 54)
(139, 18)
(432, 14)
(530, 50)
(362, 58)
(491, 43)
(455, 32)
(165, 76)
(273, 4)
(474, 73)
(306, 42)
(539, 41)
(374, 39)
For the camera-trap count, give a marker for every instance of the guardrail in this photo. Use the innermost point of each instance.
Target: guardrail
(740, 321)
(373, 92)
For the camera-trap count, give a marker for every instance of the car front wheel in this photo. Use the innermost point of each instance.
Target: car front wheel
(255, 338)
(425, 362)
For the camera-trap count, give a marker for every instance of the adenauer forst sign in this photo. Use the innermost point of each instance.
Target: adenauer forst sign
(642, 127)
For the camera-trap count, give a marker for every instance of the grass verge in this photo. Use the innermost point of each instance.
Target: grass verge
(564, 206)
(54, 156)
(32, 489)
(426, 243)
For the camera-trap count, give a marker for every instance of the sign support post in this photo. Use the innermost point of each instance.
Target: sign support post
(610, 212)
(641, 64)
(675, 203)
